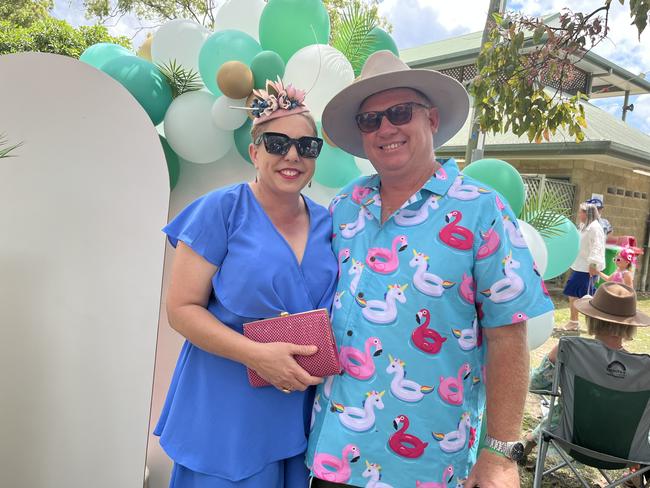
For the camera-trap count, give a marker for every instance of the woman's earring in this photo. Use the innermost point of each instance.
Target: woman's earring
(309, 185)
(255, 177)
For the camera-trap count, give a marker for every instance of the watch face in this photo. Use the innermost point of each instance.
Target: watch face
(517, 451)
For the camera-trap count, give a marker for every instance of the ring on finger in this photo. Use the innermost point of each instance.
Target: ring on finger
(284, 389)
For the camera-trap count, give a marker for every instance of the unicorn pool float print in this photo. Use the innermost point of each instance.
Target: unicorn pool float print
(467, 289)
(315, 409)
(514, 234)
(373, 471)
(507, 288)
(468, 339)
(360, 364)
(355, 271)
(327, 387)
(383, 311)
(452, 388)
(491, 243)
(349, 230)
(455, 440)
(383, 260)
(460, 191)
(337, 299)
(425, 339)
(359, 193)
(360, 419)
(403, 389)
(447, 476)
(454, 235)
(336, 200)
(428, 283)
(403, 444)
(337, 470)
(344, 257)
(407, 218)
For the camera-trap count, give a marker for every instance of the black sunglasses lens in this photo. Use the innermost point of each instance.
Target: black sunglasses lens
(276, 144)
(400, 114)
(309, 147)
(369, 121)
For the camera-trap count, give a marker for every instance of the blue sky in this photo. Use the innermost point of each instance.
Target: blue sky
(417, 22)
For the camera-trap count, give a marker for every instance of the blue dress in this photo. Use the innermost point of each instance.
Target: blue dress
(213, 421)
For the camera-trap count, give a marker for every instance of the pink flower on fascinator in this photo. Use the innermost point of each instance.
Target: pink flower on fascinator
(272, 105)
(284, 102)
(295, 94)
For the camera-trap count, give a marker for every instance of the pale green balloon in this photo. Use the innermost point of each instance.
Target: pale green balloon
(99, 54)
(334, 167)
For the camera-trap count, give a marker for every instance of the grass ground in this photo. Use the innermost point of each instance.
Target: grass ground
(564, 478)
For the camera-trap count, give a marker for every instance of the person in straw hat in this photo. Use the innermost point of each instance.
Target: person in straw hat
(612, 317)
(433, 277)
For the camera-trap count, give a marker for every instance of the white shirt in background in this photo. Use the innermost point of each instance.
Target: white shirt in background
(592, 248)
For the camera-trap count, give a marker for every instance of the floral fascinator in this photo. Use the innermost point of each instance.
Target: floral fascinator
(276, 101)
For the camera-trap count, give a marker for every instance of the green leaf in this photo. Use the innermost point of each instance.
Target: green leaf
(180, 79)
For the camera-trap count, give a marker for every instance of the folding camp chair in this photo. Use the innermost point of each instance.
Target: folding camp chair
(605, 417)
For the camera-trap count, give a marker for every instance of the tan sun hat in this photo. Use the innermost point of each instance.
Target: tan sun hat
(382, 71)
(613, 302)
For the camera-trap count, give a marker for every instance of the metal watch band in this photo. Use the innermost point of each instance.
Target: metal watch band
(503, 447)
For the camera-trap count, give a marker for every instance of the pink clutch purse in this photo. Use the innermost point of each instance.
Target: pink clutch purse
(305, 328)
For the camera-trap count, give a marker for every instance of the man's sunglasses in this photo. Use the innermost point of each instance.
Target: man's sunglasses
(399, 114)
(279, 144)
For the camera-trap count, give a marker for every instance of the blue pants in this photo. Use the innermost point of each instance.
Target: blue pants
(286, 473)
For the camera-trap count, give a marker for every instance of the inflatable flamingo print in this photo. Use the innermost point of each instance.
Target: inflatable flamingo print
(360, 364)
(454, 235)
(337, 470)
(383, 260)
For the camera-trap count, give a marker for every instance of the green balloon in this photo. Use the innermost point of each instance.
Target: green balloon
(173, 165)
(562, 249)
(501, 176)
(145, 82)
(267, 65)
(243, 139)
(334, 167)
(101, 53)
(286, 26)
(221, 47)
(382, 40)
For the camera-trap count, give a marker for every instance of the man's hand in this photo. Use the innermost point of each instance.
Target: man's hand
(493, 471)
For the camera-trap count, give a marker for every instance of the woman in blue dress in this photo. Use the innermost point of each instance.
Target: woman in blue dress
(246, 252)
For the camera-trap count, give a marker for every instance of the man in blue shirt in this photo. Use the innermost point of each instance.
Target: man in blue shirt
(604, 223)
(436, 281)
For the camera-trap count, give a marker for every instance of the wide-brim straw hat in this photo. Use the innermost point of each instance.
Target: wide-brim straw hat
(613, 302)
(382, 71)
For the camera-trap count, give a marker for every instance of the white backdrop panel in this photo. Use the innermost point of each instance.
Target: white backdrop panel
(81, 259)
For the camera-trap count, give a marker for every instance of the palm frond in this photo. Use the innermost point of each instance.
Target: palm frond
(352, 34)
(545, 213)
(5, 151)
(180, 79)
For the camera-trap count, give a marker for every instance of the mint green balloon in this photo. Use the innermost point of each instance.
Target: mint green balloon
(99, 54)
(562, 249)
(287, 26)
(243, 139)
(334, 167)
(145, 82)
(173, 165)
(267, 65)
(501, 176)
(221, 47)
(382, 40)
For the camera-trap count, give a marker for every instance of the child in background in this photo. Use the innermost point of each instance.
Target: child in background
(625, 261)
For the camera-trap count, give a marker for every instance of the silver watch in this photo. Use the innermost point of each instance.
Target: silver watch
(511, 450)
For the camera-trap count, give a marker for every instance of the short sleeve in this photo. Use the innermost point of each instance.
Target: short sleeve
(509, 289)
(203, 225)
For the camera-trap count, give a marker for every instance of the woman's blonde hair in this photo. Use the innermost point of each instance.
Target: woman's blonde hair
(604, 327)
(259, 129)
(592, 214)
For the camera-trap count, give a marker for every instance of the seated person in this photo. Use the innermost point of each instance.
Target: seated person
(609, 328)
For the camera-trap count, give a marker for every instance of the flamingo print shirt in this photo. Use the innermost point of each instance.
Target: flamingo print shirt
(413, 297)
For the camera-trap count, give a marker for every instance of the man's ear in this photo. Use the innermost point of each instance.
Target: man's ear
(434, 119)
(252, 152)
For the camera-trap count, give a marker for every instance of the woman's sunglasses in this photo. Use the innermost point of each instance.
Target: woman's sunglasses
(279, 144)
(399, 114)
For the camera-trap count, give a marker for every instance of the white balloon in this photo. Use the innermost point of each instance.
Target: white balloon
(179, 40)
(365, 166)
(243, 15)
(227, 118)
(322, 71)
(540, 329)
(536, 245)
(191, 132)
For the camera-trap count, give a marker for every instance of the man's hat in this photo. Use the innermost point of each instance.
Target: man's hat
(613, 302)
(595, 201)
(383, 71)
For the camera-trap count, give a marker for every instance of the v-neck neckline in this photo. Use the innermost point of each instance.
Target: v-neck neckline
(278, 233)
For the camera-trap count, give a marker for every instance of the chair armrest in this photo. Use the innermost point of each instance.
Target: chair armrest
(544, 392)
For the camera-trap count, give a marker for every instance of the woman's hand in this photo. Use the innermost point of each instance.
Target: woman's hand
(275, 363)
